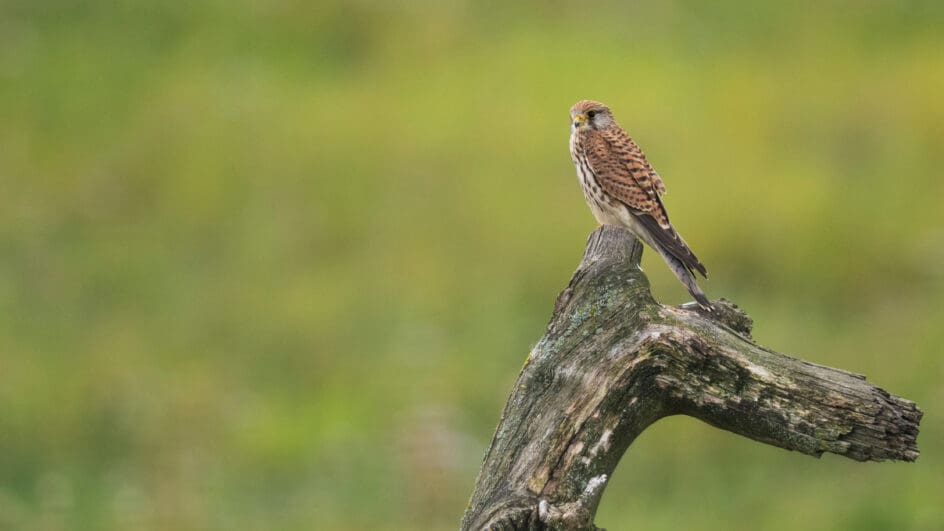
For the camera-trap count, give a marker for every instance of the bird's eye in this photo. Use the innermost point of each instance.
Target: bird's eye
(591, 114)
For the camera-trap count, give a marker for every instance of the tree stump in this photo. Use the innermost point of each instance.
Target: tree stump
(613, 361)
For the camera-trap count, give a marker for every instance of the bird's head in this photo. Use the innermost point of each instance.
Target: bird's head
(589, 114)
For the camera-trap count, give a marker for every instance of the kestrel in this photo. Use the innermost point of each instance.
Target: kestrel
(622, 189)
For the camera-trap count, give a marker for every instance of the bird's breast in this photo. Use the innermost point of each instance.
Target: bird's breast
(605, 209)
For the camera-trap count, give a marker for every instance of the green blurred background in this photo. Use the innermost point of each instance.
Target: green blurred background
(275, 265)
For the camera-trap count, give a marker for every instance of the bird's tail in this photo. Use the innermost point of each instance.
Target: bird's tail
(686, 276)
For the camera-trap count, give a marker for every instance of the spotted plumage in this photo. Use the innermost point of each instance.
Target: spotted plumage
(623, 189)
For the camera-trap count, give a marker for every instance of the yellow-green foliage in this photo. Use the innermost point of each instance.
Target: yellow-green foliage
(274, 265)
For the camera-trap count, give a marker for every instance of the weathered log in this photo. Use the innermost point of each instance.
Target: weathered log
(613, 361)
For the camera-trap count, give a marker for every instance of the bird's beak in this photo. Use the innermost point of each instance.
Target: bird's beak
(579, 120)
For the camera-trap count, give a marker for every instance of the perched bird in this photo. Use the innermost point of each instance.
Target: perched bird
(622, 189)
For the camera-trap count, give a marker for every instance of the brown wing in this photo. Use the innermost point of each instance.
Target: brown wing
(657, 182)
(636, 158)
(624, 173)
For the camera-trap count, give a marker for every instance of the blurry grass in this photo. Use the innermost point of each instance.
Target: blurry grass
(273, 265)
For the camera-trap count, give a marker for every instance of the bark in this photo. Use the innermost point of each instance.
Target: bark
(613, 361)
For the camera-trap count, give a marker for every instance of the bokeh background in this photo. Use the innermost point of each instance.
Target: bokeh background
(275, 265)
